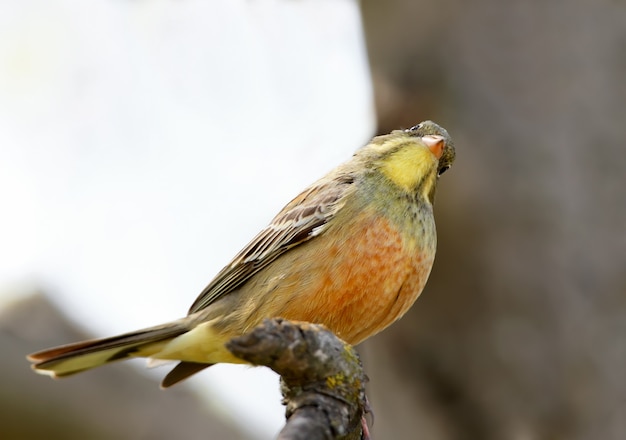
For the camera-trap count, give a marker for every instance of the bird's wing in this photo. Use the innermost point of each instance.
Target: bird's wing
(304, 218)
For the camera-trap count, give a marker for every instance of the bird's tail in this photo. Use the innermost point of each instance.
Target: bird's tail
(80, 356)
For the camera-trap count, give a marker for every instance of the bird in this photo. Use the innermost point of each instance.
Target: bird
(353, 251)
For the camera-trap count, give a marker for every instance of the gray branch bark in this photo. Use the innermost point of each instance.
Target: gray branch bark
(322, 379)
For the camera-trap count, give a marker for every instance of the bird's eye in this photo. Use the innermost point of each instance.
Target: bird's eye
(443, 169)
(415, 127)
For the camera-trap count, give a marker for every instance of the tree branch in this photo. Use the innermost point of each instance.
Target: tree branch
(322, 379)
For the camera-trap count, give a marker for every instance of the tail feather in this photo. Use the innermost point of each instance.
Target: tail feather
(181, 372)
(74, 358)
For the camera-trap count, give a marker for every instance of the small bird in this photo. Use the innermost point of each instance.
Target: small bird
(353, 251)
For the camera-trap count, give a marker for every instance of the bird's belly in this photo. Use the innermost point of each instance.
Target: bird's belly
(360, 282)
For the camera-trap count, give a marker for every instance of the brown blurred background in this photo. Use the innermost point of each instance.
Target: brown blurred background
(521, 331)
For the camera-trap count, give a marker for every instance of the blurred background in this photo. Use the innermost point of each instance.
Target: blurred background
(142, 144)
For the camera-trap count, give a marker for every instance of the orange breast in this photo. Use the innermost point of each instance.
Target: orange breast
(356, 280)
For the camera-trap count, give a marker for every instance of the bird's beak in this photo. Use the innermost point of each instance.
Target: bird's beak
(435, 144)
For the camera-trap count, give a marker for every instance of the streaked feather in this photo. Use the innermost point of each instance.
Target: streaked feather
(302, 219)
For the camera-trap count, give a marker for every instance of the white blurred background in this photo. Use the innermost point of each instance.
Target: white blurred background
(143, 143)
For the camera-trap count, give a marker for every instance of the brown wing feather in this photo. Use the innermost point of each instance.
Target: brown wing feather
(302, 219)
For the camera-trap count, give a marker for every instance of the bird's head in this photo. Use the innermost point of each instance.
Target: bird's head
(412, 159)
